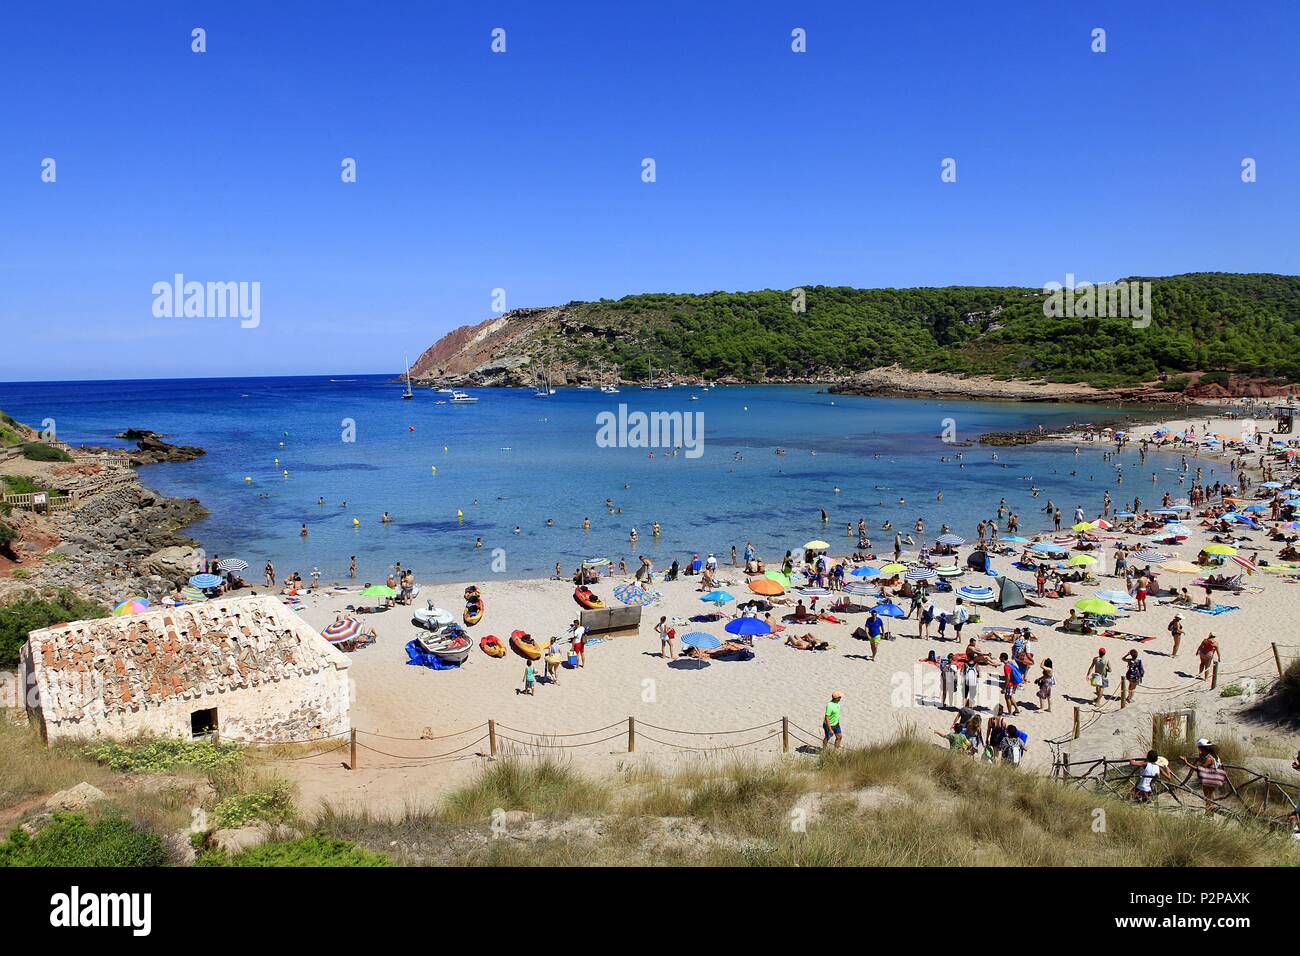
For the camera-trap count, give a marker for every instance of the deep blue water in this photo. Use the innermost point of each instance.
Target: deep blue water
(517, 460)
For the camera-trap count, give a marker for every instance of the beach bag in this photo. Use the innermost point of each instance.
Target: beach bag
(1136, 671)
(1017, 678)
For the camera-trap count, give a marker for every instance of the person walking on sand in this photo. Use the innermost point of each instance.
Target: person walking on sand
(352, 567)
(1099, 675)
(578, 634)
(270, 574)
(875, 631)
(1134, 671)
(530, 679)
(924, 618)
(1176, 631)
(1208, 652)
(970, 680)
(831, 721)
(1046, 681)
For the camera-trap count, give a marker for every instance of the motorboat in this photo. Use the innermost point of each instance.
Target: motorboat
(431, 618)
(450, 644)
(460, 398)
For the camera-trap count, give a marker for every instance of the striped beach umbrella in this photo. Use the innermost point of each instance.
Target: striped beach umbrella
(193, 595)
(232, 564)
(919, 572)
(132, 605)
(205, 581)
(861, 589)
(1150, 554)
(976, 593)
(1244, 562)
(953, 540)
(702, 640)
(344, 629)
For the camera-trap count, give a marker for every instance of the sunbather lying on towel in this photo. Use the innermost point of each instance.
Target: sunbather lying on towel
(807, 643)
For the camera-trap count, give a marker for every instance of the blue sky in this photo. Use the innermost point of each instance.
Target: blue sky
(523, 170)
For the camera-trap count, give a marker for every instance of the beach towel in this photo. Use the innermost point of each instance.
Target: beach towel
(1124, 636)
(1217, 609)
(1040, 621)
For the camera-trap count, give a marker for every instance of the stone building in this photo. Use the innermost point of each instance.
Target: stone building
(245, 668)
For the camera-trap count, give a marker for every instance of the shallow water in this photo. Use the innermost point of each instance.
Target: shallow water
(516, 460)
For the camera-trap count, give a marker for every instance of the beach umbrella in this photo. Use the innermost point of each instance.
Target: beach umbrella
(1015, 538)
(1102, 524)
(1150, 554)
(701, 640)
(950, 539)
(344, 629)
(747, 626)
(893, 568)
(866, 571)
(193, 595)
(861, 589)
(1125, 514)
(815, 546)
(718, 597)
(765, 586)
(778, 577)
(595, 562)
(1255, 508)
(1048, 547)
(1095, 606)
(1244, 562)
(976, 593)
(1081, 560)
(951, 571)
(1115, 597)
(378, 590)
(232, 564)
(1181, 567)
(889, 609)
(1223, 549)
(1291, 525)
(919, 572)
(1271, 484)
(132, 605)
(205, 581)
(1082, 526)
(813, 592)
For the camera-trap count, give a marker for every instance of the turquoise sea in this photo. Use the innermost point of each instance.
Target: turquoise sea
(513, 459)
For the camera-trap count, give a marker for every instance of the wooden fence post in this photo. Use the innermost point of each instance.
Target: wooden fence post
(785, 735)
(1076, 723)
(492, 737)
(1123, 692)
(1277, 659)
(352, 760)
(1214, 676)
(1155, 729)
(631, 735)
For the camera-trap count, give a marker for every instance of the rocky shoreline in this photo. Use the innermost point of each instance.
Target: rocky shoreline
(125, 540)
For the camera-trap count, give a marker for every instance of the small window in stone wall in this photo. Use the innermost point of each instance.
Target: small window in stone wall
(203, 723)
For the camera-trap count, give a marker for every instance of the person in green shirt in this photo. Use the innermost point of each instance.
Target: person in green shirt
(831, 722)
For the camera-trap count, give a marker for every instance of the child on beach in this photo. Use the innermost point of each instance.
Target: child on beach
(530, 678)
(1152, 767)
(1046, 681)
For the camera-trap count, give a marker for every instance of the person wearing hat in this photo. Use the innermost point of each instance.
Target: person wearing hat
(831, 721)
(1176, 631)
(1099, 674)
(1208, 769)
(1153, 766)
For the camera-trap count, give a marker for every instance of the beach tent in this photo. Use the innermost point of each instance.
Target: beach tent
(978, 561)
(1010, 596)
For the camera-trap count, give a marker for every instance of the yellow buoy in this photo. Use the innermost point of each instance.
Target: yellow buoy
(286, 473)
(433, 469)
(460, 515)
(356, 523)
(277, 461)
(248, 480)
(444, 449)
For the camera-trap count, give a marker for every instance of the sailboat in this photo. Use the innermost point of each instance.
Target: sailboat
(607, 389)
(543, 388)
(408, 393)
(650, 377)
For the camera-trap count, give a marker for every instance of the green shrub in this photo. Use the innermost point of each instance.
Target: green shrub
(39, 451)
(20, 485)
(1288, 690)
(315, 850)
(271, 804)
(21, 617)
(69, 839)
(1232, 690)
(166, 753)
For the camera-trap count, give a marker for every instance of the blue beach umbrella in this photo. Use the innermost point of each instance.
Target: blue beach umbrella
(748, 626)
(889, 609)
(1271, 484)
(861, 589)
(866, 571)
(702, 640)
(1255, 508)
(1016, 539)
(718, 597)
(205, 581)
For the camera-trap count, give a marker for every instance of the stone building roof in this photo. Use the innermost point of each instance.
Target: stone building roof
(92, 668)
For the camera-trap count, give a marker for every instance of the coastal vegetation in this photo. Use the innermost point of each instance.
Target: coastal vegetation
(1204, 322)
(39, 451)
(18, 618)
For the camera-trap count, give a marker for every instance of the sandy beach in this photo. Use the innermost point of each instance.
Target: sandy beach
(396, 704)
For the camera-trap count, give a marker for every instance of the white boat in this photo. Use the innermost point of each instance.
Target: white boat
(542, 389)
(650, 377)
(445, 391)
(432, 618)
(607, 389)
(460, 397)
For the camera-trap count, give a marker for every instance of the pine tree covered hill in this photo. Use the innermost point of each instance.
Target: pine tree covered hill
(1244, 324)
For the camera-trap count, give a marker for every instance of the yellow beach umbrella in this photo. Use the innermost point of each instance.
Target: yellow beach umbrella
(1224, 549)
(1083, 526)
(1081, 559)
(816, 546)
(893, 568)
(1095, 606)
(1181, 567)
